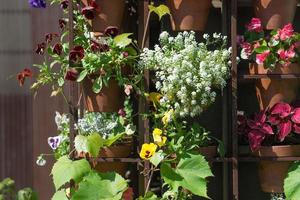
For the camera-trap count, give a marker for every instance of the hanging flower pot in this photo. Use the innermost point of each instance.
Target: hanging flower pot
(272, 173)
(109, 99)
(117, 151)
(269, 91)
(275, 13)
(106, 13)
(189, 14)
(209, 151)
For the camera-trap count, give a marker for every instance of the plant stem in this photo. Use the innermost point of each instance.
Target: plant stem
(146, 30)
(150, 178)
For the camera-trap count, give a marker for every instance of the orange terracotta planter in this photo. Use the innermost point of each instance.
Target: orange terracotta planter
(271, 91)
(189, 14)
(275, 13)
(111, 14)
(272, 173)
(110, 98)
(209, 151)
(118, 151)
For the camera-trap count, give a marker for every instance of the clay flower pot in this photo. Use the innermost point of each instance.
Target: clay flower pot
(275, 13)
(272, 173)
(111, 14)
(271, 91)
(117, 151)
(189, 14)
(110, 98)
(209, 151)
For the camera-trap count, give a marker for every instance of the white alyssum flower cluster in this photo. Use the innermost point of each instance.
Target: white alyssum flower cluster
(188, 72)
(102, 123)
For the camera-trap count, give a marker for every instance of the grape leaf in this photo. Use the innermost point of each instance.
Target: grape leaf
(160, 10)
(65, 169)
(60, 195)
(101, 186)
(89, 144)
(291, 182)
(123, 40)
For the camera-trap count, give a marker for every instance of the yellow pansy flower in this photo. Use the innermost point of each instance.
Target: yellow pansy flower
(148, 150)
(158, 138)
(154, 97)
(167, 117)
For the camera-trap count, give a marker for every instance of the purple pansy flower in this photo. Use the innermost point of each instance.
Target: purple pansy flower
(37, 3)
(54, 142)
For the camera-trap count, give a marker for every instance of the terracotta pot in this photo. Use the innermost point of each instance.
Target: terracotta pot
(209, 152)
(275, 13)
(189, 14)
(271, 91)
(110, 98)
(118, 151)
(272, 173)
(111, 14)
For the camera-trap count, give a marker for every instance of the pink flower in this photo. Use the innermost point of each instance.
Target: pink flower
(286, 55)
(246, 50)
(260, 58)
(285, 33)
(254, 25)
(128, 89)
(122, 112)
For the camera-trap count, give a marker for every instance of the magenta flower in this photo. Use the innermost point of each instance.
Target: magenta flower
(88, 11)
(37, 3)
(285, 33)
(49, 37)
(71, 74)
(57, 49)
(296, 119)
(254, 25)
(54, 142)
(122, 112)
(246, 50)
(286, 55)
(76, 54)
(111, 31)
(259, 128)
(40, 49)
(260, 58)
(125, 54)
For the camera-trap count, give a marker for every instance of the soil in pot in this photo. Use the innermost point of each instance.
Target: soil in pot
(275, 13)
(111, 14)
(272, 173)
(270, 91)
(110, 98)
(117, 151)
(189, 14)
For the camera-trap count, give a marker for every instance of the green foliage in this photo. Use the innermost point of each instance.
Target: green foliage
(291, 182)
(190, 173)
(27, 194)
(149, 196)
(65, 169)
(60, 195)
(123, 40)
(89, 144)
(157, 158)
(160, 10)
(101, 186)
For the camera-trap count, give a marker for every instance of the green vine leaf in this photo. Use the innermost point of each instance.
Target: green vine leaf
(97, 85)
(157, 158)
(291, 182)
(82, 75)
(89, 144)
(101, 186)
(123, 40)
(190, 173)
(160, 10)
(149, 196)
(60, 195)
(65, 169)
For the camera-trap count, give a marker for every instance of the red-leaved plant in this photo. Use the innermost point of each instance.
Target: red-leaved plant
(273, 126)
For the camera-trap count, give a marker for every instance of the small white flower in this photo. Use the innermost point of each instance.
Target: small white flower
(41, 161)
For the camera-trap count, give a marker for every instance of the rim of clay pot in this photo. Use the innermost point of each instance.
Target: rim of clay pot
(278, 151)
(293, 68)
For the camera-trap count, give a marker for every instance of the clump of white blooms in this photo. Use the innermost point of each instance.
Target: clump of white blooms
(94, 122)
(188, 72)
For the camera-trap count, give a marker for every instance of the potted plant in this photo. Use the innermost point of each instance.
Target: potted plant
(277, 53)
(273, 133)
(275, 13)
(189, 14)
(186, 74)
(102, 14)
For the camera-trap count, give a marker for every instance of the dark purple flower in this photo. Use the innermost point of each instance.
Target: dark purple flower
(57, 49)
(62, 23)
(37, 3)
(72, 74)
(40, 49)
(96, 47)
(76, 54)
(111, 31)
(23, 75)
(49, 37)
(64, 4)
(54, 142)
(88, 11)
(122, 112)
